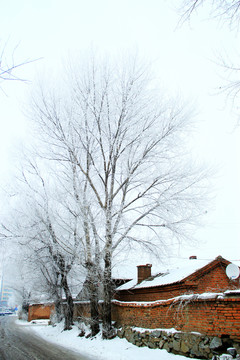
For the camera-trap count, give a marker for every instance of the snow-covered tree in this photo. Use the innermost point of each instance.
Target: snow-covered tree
(44, 225)
(125, 141)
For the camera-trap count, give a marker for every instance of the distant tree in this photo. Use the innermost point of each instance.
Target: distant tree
(18, 275)
(126, 145)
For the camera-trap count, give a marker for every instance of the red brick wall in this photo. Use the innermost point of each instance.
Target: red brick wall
(152, 294)
(213, 280)
(81, 310)
(40, 311)
(213, 317)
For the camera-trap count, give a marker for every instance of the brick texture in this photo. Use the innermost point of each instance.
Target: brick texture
(213, 316)
(40, 311)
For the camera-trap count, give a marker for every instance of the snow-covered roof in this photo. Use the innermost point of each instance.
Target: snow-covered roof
(124, 270)
(174, 275)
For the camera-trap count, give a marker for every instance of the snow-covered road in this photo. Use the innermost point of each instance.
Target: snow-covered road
(117, 349)
(18, 343)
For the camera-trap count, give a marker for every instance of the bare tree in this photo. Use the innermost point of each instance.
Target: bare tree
(122, 138)
(59, 231)
(9, 65)
(90, 239)
(227, 10)
(48, 230)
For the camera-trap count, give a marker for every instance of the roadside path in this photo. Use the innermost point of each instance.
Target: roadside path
(16, 343)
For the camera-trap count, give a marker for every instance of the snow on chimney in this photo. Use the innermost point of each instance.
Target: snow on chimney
(144, 272)
(193, 257)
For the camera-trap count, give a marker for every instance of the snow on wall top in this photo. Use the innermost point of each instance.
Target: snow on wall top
(180, 272)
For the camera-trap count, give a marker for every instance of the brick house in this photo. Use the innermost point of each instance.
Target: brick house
(194, 276)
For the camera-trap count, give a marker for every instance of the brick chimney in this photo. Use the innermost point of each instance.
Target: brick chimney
(144, 272)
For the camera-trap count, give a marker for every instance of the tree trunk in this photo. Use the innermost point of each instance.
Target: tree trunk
(94, 311)
(92, 280)
(58, 310)
(68, 311)
(107, 305)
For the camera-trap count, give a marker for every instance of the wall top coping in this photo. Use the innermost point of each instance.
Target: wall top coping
(188, 298)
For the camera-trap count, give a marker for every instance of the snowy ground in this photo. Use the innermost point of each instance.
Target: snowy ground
(117, 349)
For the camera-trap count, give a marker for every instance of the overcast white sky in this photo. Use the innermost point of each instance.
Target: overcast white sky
(184, 59)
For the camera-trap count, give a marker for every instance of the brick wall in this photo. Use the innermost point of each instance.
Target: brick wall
(214, 280)
(40, 311)
(81, 310)
(216, 316)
